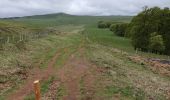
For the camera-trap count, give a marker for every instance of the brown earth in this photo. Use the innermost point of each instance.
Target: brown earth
(34, 74)
(75, 71)
(157, 66)
(71, 75)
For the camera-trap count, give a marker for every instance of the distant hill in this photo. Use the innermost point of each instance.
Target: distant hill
(56, 19)
(41, 16)
(47, 15)
(54, 15)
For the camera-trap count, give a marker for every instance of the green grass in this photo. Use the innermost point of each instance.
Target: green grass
(66, 52)
(61, 91)
(30, 97)
(121, 76)
(52, 20)
(2, 98)
(43, 88)
(111, 53)
(38, 50)
(82, 88)
(45, 85)
(107, 38)
(125, 92)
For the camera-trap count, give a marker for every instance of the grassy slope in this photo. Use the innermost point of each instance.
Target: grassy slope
(42, 49)
(10, 27)
(126, 77)
(122, 78)
(64, 19)
(108, 38)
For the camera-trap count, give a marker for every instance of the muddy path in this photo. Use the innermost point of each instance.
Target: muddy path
(77, 76)
(35, 74)
(73, 72)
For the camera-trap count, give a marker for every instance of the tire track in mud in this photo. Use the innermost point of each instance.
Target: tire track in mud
(77, 69)
(34, 74)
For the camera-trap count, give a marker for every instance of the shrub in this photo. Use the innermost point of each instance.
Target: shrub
(120, 29)
(145, 23)
(102, 25)
(112, 27)
(156, 43)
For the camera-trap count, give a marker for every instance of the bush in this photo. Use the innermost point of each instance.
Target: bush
(21, 45)
(102, 25)
(120, 29)
(108, 24)
(156, 43)
(112, 27)
(145, 23)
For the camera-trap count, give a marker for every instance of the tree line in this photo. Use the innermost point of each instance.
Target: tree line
(149, 30)
(118, 28)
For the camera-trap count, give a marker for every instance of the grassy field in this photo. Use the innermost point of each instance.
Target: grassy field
(124, 77)
(15, 61)
(107, 38)
(51, 20)
(112, 74)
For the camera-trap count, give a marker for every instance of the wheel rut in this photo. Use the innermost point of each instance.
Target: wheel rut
(35, 74)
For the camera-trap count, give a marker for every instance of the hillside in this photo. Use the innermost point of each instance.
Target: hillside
(10, 27)
(76, 60)
(65, 19)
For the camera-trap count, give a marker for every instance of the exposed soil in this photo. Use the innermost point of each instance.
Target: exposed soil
(52, 92)
(160, 66)
(71, 74)
(76, 71)
(34, 74)
(77, 76)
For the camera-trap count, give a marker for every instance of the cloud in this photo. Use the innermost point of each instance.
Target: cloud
(13, 8)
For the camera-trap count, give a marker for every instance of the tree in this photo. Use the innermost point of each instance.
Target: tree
(119, 29)
(102, 24)
(156, 43)
(108, 24)
(146, 22)
(112, 27)
(140, 30)
(165, 28)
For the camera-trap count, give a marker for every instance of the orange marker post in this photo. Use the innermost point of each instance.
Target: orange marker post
(37, 89)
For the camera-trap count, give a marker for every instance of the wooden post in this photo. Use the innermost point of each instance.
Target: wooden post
(136, 51)
(37, 90)
(8, 39)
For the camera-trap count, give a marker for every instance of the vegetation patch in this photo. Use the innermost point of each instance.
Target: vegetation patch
(126, 92)
(61, 91)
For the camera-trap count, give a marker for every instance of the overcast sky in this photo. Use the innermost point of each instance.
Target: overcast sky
(13, 8)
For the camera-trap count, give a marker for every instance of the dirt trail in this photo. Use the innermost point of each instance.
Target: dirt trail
(77, 71)
(34, 74)
(71, 75)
